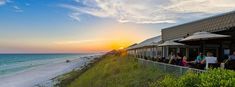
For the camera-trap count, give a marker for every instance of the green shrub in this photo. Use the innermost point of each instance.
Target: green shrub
(188, 80)
(211, 78)
(217, 78)
(168, 81)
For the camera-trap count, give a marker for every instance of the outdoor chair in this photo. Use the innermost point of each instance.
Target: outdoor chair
(159, 59)
(213, 65)
(197, 66)
(230, 65)
(144, 57)
(154, 59)
(166, 60)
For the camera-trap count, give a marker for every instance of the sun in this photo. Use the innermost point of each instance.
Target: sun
(120, 48)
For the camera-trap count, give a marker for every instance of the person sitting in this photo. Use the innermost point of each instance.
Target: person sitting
(159, 58)
(184, 61)
(209, 60)
(232, 57)
(197, 62)
(200, 57)
(230, 62)
(179, 59)
(172, 59)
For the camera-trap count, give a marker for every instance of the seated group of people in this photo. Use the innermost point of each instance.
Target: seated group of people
(204, 61)
(201, 62)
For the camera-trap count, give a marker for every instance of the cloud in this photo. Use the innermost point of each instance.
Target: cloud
(205, 6)
(75, 16)
(2, 2)
(27, 4)
(149, 11)
(17, 9)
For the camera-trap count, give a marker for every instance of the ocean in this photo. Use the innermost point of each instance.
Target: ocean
(11, 64)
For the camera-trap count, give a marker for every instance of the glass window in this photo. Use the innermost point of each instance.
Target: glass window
(183, 51)
(193, 52)
(213, 50)
(172, 51)
(159, 51)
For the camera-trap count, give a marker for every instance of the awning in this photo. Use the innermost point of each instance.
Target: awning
(170, 43)
(203, 36)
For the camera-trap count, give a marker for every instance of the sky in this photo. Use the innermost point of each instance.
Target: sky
(84, 26)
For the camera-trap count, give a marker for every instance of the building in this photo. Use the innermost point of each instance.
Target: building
(146, 49)
(223, 24)
(217, 23)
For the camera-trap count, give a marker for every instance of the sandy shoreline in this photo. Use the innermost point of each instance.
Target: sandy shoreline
(43, 75)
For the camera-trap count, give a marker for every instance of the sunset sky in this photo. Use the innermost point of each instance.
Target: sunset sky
(75, 26)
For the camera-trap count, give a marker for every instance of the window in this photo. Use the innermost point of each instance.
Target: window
(193, 52)
(172, 51)
(183, 51)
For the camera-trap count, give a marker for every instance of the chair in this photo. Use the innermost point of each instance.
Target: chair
(213, 65)
(230, 65)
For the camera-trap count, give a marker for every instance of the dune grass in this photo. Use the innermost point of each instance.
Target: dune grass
(116, 71)
(122, 71)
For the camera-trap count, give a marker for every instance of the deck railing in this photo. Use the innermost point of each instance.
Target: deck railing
(169, 68)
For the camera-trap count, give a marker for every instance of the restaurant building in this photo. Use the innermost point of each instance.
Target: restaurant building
(223, 24)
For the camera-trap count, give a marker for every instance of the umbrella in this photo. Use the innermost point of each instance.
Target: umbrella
(170, 43)
(203, 36)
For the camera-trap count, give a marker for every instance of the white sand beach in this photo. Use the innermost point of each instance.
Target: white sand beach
(44, 73)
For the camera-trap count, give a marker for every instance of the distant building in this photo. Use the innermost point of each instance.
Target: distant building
(146, 49)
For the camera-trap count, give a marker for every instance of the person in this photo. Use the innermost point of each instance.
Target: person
(172, 59)
(184, 61)
(159, 58)
(232, 57)
(209, 59)
(67, 61)
(178, 59)
(200, 57)
(230, 62)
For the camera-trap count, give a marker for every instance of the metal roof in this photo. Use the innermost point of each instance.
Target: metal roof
(149, 42)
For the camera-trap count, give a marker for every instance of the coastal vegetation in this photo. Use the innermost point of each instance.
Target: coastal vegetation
(65, 79)
(118, 71)
(210, 78)
(123, 71)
